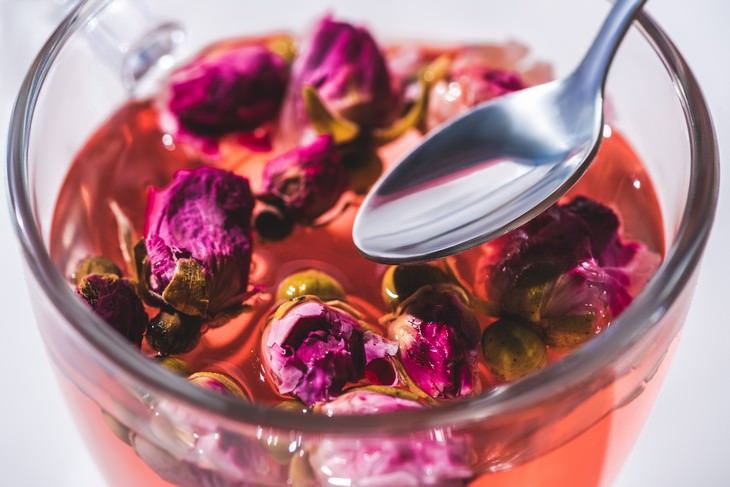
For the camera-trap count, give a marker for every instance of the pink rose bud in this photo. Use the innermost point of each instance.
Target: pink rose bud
(198, 241)
(567, 270)
(438, 338)
(312, 350)
(116, 302)
(305, 182)
(438, 460)
(345, 66)
(234, 92)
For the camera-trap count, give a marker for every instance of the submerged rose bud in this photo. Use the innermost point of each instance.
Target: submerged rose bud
(567, 270)
(440, 459)
(306, 181)
(312, 350)
(237, 91)
(438, 337)
(198, 241)
(116, 302)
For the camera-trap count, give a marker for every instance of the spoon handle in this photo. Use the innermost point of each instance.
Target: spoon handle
(594, 66)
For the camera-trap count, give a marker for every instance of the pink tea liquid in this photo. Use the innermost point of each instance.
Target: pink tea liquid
(130, 153)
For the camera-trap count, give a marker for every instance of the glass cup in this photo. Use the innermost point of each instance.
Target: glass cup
(570, 424)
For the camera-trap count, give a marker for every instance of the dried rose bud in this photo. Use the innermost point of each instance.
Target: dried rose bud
(116, 302)
(345, 66)
(310, 283)
(567, 270)
(471, 80)
(441, 459)
(438, 338)
(306, 181)
(513, 349)
(172, 333)
(198, 241)
(217, 382)
(401, 281)
(95, 265)
(237, 91)
(312, 350)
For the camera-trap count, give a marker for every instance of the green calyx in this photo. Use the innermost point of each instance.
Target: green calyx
(326, 122)
(95, 265)
(187, 291)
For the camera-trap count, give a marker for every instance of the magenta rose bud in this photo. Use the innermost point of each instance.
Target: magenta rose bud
(306, 181)
(344, 64)
(116, 302)
(438, 460)
(470, 81)
(312, 350)
(198, 241)
(234, 92)
(567, 270)
(438, 338)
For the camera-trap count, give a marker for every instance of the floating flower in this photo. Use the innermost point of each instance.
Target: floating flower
(198, 241)
(235, 92)
(303, 183)
(344, 66)
(438, 459)
(567, 270)
(438, 338)
(116, 302)
(312, 350)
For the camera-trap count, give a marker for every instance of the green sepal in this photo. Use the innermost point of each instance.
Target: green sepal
(414, 118)
(324, 121)
(187, 291)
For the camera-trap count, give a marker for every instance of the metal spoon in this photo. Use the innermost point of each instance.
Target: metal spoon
(494, 168)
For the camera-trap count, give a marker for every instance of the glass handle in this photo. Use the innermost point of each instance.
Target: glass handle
(133, 41)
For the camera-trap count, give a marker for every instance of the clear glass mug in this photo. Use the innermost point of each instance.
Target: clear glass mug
(571, 424)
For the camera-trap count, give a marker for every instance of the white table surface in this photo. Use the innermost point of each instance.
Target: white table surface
(683, 443)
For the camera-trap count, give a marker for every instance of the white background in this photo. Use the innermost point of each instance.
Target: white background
(684, 442)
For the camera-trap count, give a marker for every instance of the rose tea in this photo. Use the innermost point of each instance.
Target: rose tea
(211, 225)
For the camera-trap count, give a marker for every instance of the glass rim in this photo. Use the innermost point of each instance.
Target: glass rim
(558, 379)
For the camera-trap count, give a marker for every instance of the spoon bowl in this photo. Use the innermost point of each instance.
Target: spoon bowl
(495, 167)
